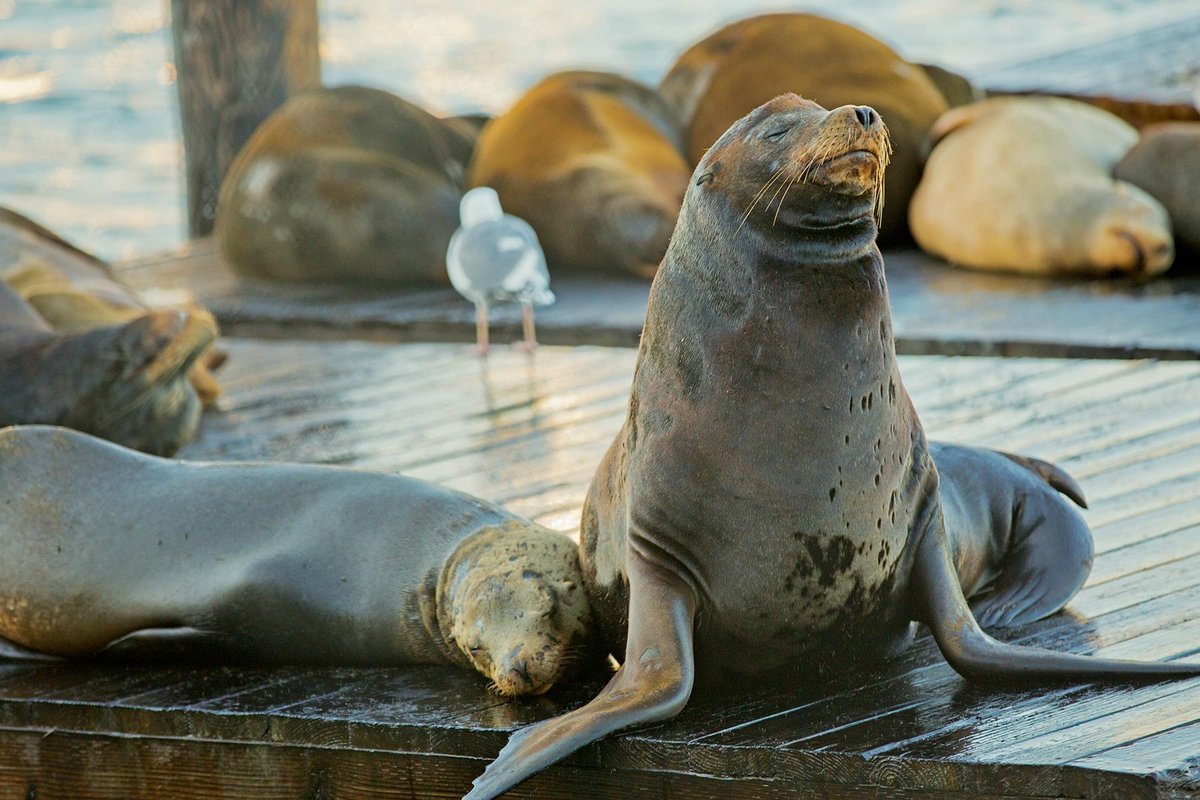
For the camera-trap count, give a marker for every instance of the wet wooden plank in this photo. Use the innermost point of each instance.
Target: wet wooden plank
(936, 308)
(1160, 65)
(532, 430)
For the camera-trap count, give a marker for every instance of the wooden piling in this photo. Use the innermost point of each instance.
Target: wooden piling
(236, 62)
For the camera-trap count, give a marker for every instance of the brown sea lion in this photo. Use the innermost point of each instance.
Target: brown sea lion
(745, 64)
(74, 291)
(344, 184)
(127, 383)
(954, 86)
(592, 161)
(107, 552)
(1165, 162)
(771, 503)
(1024, 184)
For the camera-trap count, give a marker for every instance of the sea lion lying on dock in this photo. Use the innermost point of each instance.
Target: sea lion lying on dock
(107, 552)
(127, 383)
(74, 291)
(1165, 163)
(771, 503)
(345, 184)
(1024, 184)
(743, 65)
(592, 161)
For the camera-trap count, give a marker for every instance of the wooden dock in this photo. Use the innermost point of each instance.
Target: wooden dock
(528, 432)
(937, 309)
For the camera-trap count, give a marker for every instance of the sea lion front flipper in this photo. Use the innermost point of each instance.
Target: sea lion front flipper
(10, 651)
(158, 644)
(653, 684)
(939, 603)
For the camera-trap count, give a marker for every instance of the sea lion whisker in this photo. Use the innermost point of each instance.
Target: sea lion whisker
(790, 184)
(775, 175)
(782, 187)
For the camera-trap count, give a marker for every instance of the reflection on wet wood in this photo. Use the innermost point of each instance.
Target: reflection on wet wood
(529, 432)
(937, 309)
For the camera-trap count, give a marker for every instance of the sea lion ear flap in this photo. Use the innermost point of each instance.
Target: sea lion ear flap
(708, 174)
(949, 122)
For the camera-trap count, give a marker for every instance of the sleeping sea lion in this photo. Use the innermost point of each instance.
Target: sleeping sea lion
(592, 161)
(741, 66)
(1024, 184)
(107, 552)
(1165, 163)
(344, 184)
(771, 503)
(128, 383)
(74, 291)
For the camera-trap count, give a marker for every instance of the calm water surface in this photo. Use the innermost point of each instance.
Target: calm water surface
(89, 140)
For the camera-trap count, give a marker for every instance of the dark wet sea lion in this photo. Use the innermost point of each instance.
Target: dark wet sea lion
(345, 184)
(771, 502)
(743, 65)
(75, 291)
(592, 161)
(127, 383)
(1165, 162)
(108, 552)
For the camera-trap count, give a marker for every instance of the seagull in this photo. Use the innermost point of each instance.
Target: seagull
(495, 257)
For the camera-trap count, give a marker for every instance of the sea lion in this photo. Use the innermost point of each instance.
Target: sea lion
(592, 161)
(1024, 184)
(746, 63)
(75, 291)
(128, 382)
(956, 88)
(344, 184)
(1165, 163)
(770, 502)
(107, 552)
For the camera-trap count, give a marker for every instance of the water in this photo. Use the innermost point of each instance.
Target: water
(89, 140)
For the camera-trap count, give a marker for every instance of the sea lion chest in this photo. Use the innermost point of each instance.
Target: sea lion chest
(777, 457)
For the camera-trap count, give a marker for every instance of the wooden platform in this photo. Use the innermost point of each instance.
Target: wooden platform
(937, 309)
(528, 432)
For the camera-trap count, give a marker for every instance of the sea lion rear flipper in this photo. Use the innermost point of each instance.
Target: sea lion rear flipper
(939, 603)
(10, 651)
(1048, 560)
(653, 684)
(1057, 477)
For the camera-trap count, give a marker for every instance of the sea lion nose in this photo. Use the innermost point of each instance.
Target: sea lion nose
(867, 117)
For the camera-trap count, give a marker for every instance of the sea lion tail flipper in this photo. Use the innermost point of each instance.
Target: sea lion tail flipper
(1052, 474)
(653, 684)
(940, 604)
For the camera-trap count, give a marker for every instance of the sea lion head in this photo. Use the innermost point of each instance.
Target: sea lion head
(790, 165)
(1126, 231)
(140, 395)
(518, 610)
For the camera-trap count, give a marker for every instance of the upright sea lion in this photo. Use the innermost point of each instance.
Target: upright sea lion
(1024, 184)
(1165, 162)
(108, 552)
(75, 291)
(345, 184)
(745, 64)
(592, 161)
(771, 502)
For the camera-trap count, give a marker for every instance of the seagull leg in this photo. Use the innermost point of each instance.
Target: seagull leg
(529, 343)
(481, 328)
